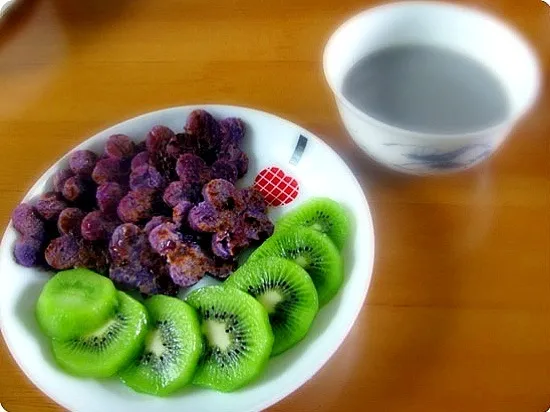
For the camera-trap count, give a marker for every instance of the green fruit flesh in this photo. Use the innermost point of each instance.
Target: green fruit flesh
(321, 214)
(173, 347)
(75, 302)
(238, 337)
(311, 250)
(104, 351)
(287, 293)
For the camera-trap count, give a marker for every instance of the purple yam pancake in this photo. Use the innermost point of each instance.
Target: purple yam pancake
(63, 253)
(50, 205)
(28, 223)
(188, 264)
(154, 222)
(119, 146)
(146, 176)
(60, 177)
(164, 238)
(82, 162)
(181, 212)
(69, 221)
(178, 191)
(222, 169)
(232, 131)
(28, 251)
(108, 196)
(111, 170)
(192, 169)
(97, 226)
(140, 159)
(137, 205)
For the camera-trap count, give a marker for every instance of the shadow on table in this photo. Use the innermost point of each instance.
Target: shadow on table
(89, 15)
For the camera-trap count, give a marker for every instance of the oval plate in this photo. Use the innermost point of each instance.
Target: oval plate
(270, 142)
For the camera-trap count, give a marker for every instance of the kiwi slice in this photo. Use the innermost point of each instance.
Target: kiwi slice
(104, 351)
(172, 350)
(322, 214)
(287, 293)
(313, 251)
(74, 302)
(238, 337)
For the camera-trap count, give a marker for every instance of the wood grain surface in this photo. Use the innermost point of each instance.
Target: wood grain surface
(458, 314)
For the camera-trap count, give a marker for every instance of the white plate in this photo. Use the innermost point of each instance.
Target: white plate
(269, 141)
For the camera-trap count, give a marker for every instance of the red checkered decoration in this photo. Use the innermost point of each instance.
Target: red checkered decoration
(278, 188)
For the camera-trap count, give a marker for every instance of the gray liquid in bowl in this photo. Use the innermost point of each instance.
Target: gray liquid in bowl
(426, 89)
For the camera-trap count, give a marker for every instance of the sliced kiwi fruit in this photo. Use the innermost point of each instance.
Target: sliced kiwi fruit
(104, 351)
(322, 214)
(286, 292)
(238, 337)
(172, 350)
(74, 302)
(311, 250)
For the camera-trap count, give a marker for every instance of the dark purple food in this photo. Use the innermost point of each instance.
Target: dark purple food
(60, 177)
(153, 216)
(222, 169)
(96, 226)
(157, 143)
(232, 131)
(94, 256)
(177, 192)
(256, 225)
(223, 268)
(154, 222)
(192, 169)
(253, 199)
(82, 162)
(237, 157)
(137, 205)
(136, 265)
(141, 147)
(180, 213)
(140, 159)
(50, 205)
(119, 146)
(76, 189)
(110, 170)
(146, 176)
(28, 251)
(234, 216)
(63, 252)
(227, 245)
(28, 223)
(205, 135)
(205, 218)
(223, 195)
(158, 138)
(188, 264)
(69, 221)
(146, 281)
(108, 196)
(164, 238)
(126, 243)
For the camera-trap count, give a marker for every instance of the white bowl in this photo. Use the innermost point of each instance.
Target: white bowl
(466, 30)
(270, 141)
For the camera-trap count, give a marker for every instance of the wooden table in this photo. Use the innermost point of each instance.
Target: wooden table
(458, 314)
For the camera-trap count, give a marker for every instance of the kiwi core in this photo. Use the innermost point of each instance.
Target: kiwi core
(154, 342)
(302, 261)
(269, 300)
(215, 332)
(103, 329)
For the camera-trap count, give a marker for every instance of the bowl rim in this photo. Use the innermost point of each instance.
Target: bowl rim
(510, 120)
(367, 268)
